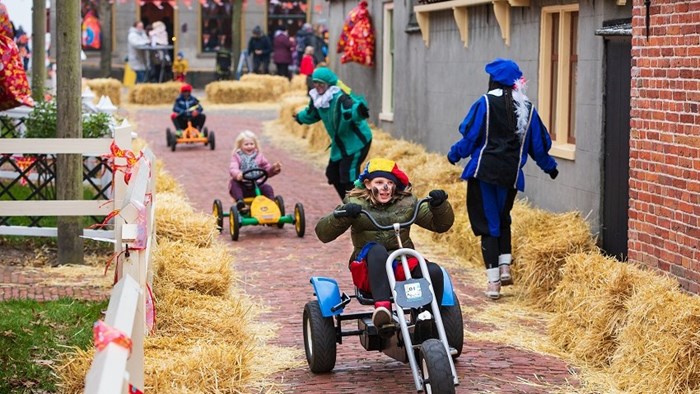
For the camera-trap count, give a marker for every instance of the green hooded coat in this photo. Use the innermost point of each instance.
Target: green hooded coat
(347, 129)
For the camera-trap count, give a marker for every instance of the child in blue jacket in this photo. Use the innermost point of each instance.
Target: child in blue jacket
(187, 108)
(501, 129)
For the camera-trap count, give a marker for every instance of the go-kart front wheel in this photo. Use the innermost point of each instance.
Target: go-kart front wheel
(218, 211)
(319, 339)
(454, 325)
(280, 204)
(168, 136)
(435, 368)
(234, 223)
(299, 220)
(211, 140)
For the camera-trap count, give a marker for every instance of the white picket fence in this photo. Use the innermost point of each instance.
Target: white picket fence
(114, 369)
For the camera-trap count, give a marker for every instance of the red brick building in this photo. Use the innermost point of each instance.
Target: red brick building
(664, 186)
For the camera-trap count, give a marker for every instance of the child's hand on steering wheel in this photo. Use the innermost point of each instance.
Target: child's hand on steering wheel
(239, 177)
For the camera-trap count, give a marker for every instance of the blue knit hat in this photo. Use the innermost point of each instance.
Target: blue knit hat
(504, 71)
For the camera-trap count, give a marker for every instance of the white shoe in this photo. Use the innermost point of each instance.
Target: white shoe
(493, 290)
(506, 278)
(381, 317)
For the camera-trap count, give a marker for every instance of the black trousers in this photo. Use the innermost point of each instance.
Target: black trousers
(379, 283)
(180, 121)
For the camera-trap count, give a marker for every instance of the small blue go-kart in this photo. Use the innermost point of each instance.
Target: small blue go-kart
(426, 335)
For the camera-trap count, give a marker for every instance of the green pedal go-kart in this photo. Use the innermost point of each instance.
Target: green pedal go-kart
(259, 210)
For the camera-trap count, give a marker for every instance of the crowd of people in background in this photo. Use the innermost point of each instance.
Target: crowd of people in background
(287, 52)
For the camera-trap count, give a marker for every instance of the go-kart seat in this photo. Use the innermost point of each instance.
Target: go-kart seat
(364, 297)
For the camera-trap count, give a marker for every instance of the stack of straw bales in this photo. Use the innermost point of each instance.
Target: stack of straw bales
(299, 83)
(633, 324)
(541, 242)
(234, 92)
(109, 87)
(251, 88)
(154, 93)
(276, 84)
(204, 340)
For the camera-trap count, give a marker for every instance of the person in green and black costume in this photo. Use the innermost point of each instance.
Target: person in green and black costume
(344, 118)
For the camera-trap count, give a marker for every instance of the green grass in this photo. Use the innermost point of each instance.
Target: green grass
(33, 334)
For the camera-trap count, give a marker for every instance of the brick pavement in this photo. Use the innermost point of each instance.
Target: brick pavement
(274, 267)
(18, 282)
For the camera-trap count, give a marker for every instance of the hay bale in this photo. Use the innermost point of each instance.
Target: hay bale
(177, 220)
(298, 83)
(276, 84)
(659, 345)
(181, 365)
(542, 240)
(154, 93)
(109, 87)
(201, 342)
(200, 316)
(187, 267)
(233, 92)
(71, 368)
(589, 302)
(166, 182)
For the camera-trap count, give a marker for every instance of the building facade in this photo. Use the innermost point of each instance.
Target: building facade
(664, 225)
(430, 68)
(198, 28)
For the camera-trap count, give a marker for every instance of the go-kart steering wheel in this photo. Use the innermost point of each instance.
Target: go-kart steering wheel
(254, 176)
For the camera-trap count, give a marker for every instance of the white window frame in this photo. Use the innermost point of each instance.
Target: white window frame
(387, 113)
(560, 147)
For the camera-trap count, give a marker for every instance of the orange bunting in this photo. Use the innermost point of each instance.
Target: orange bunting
(131, 160)
(103, 334)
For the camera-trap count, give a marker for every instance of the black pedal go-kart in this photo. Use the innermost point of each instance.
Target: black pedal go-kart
(426, 335)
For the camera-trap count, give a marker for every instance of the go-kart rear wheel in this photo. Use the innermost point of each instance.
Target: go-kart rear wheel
(454, 325)
(168, 136)
(319, 339)
(435, 368)
(280, 204)
(211, 140)
(299, 220)
(218, 211)
(234, 223)
(205, 131)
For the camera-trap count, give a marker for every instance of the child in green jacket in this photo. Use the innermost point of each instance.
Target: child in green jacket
(385, 192)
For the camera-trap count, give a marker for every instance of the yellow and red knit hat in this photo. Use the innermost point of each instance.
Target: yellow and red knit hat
(385, 168)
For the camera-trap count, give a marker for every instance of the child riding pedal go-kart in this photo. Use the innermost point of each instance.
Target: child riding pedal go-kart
(417, 317)
(188, 119)
(258, 209)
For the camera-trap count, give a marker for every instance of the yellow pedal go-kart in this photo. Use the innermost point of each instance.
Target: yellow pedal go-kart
(190, 135)
(259, 210)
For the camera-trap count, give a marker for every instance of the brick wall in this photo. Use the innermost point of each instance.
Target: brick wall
(664, 215)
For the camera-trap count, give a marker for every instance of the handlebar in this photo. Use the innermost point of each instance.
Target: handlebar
(342, 213)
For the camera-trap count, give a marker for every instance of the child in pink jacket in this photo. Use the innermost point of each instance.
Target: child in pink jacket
(246, 156)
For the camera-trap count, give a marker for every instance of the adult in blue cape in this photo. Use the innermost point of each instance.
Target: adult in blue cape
(500, 131)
